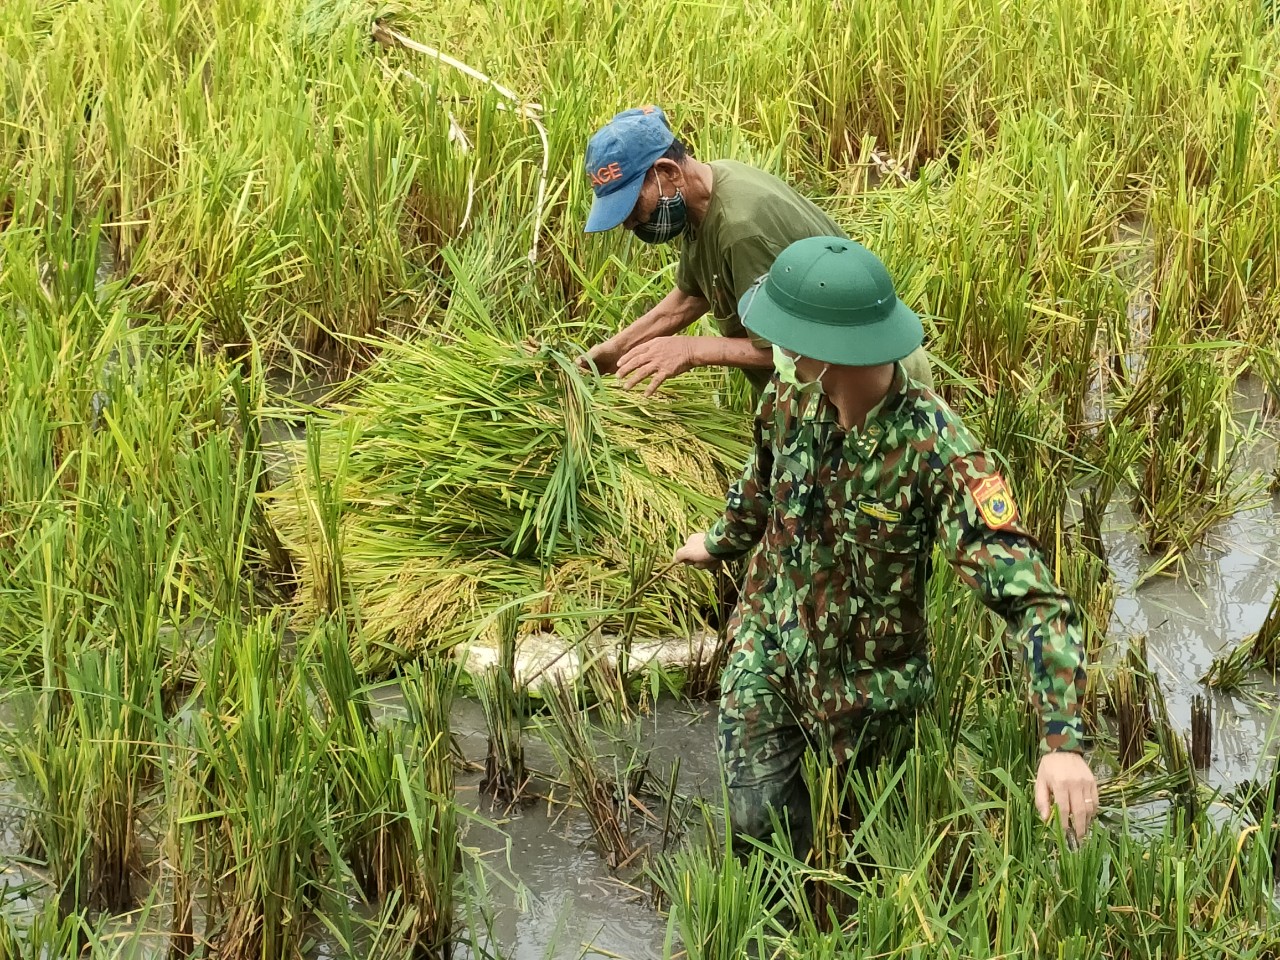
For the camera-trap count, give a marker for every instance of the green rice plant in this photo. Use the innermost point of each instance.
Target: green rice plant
(424, 781)
(115, 525)
(1087, 579)
(237, 555)
(1259, 800)
(85, 779)
(89, 760)
(1033, 441)
(1213, 233)
(334, 680)
(258, 214)
(1265, 645)
(326, 590)
(385, 932)
(261, 764)
(47, 934)
(178, 820)
(964, 868)
(1012, 283)
(1267, 368)
(59, 773)
(832, 816)
(911, 847)
(1230, 672)
(606, 797)
(870, 85)
(504, 700)
(1187, 483)
(842, 798)
(720, 903)
(360, 148)
(392, 785)
(180, 861)
(997, 756)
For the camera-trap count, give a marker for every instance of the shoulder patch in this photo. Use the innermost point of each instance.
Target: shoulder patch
(995, 502)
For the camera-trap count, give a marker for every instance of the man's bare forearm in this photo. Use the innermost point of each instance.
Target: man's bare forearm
(736, 352)
(673, 313)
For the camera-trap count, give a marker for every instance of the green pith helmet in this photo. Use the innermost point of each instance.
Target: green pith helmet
(831, 300)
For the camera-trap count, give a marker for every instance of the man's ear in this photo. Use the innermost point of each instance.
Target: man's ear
(669, 172)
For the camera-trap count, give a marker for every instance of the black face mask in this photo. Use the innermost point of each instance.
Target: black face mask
(669, 220)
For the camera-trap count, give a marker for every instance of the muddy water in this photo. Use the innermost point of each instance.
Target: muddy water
(1222, 599)
(561, 900)
(1219, 597)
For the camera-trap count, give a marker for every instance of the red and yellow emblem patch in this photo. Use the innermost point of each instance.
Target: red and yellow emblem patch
(995, 502)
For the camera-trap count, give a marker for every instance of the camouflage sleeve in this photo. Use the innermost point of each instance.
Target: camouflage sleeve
(746, 509)
(985, 542)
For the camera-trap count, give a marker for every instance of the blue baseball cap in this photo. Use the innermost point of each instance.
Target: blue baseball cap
(618, 156)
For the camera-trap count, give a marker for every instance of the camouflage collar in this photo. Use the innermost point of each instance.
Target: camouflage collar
(892, 399)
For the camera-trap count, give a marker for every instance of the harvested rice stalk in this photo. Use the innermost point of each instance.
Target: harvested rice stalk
(1128, 702)
(474, 470)
(1201, 732)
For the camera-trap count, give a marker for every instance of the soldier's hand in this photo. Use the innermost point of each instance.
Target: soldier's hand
(695, 553)
(603, 355)
(1065, 780)
(657, 360)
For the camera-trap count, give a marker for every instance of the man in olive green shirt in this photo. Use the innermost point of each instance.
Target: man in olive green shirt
(734, 220)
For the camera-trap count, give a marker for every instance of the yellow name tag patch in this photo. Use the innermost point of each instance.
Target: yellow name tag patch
(995, 502)
(879, 511)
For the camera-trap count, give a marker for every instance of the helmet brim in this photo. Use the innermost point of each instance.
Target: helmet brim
(894, 337)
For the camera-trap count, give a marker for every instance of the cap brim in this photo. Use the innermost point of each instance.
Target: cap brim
(893, 338)
(609, 210)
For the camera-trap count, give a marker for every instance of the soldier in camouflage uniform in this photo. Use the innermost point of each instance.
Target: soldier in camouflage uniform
(856, 473)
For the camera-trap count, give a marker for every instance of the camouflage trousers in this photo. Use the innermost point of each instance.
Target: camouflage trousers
(775, 707)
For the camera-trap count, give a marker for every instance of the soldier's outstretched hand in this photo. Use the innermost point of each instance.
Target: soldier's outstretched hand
(1064, 780)
(695, 553)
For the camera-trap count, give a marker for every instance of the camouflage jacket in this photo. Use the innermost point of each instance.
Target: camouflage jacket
(847, 523)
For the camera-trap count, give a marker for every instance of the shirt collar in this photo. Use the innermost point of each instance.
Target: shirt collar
(892, 399)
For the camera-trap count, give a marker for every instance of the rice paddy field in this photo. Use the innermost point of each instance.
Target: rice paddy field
(336, 617)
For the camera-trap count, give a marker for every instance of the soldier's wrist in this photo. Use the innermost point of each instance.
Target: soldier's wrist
(717, 545)
(1062, 734)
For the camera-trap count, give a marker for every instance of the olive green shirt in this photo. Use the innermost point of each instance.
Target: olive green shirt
(751, 218)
